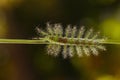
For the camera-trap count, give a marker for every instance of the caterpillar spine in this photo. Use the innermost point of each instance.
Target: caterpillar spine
(72, 41)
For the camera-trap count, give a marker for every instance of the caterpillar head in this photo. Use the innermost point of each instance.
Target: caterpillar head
(71, 40)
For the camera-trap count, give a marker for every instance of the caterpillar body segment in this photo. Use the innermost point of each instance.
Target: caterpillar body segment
(71, 40)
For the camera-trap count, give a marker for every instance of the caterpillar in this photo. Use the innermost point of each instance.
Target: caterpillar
(71, 40)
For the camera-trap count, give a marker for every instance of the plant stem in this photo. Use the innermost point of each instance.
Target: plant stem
(22, 41)
(42, 41)
(111, 42)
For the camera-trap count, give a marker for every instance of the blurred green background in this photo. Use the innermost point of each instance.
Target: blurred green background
(18, 19)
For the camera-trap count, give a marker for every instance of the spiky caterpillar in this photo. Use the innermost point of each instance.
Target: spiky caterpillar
(71, 40)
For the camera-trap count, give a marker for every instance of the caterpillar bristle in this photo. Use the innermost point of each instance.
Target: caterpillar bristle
(72, 41)
(79, 51)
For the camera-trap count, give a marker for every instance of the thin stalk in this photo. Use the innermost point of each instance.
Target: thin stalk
(43, 41)
(22, 41)
(117, 42)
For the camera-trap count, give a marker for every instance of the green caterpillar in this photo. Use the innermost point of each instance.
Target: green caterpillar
(71, 41)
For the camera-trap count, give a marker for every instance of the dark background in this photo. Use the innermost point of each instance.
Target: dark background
(18, 19)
